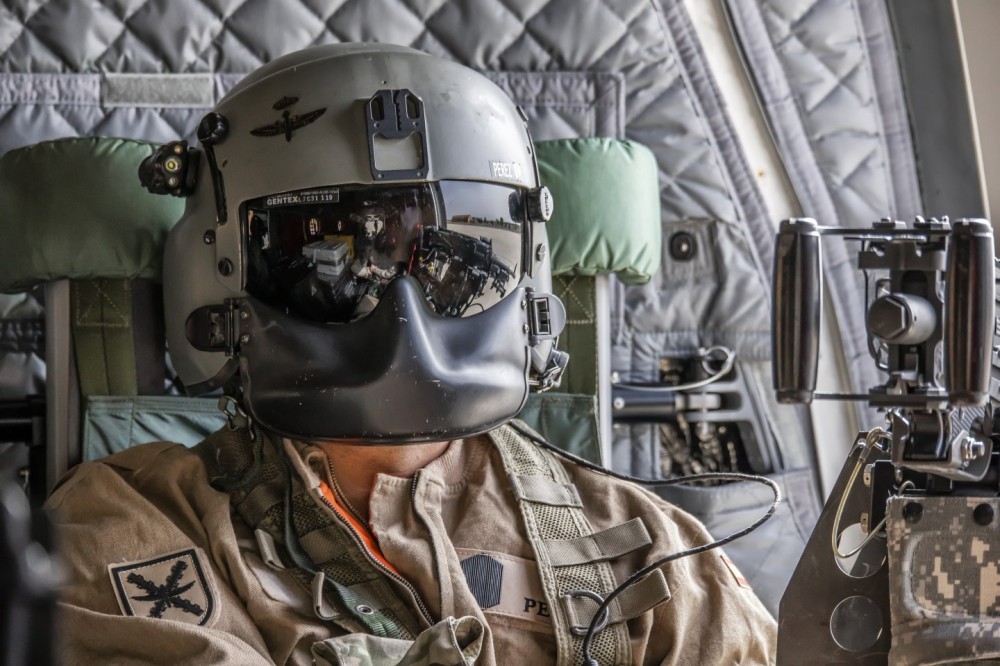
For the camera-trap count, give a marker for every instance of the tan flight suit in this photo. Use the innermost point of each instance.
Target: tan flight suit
(164, 568)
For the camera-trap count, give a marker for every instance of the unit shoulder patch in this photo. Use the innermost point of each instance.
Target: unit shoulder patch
(175, 587)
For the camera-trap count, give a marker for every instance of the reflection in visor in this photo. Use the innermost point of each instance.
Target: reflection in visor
(328, 254)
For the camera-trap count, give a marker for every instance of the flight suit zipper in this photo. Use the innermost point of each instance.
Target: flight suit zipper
(359, 542)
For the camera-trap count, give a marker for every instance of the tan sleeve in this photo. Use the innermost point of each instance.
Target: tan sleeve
(90, 637)
(102, 520)
(713, 616)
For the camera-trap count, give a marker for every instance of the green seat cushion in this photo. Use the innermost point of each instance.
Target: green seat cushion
(606, 198)
(74, 208)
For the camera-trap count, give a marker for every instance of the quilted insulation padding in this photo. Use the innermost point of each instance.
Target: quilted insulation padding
(638, 62)
(829, 80)
(620, 68)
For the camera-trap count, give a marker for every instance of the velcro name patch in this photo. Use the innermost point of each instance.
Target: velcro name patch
(505, 585)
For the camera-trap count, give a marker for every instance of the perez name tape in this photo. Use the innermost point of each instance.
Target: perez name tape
(505, 585)
(168, 587)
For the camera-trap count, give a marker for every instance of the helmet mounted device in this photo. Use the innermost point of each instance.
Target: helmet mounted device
(364, 245)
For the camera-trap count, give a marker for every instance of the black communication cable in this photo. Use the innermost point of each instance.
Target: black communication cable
(641, 573)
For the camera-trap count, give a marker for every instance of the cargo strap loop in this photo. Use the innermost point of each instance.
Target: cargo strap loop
(600, 546)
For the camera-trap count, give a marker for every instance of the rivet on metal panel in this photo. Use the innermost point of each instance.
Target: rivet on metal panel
(983, 514)
(913, 512)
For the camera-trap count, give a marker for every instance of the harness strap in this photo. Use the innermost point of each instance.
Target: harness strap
(555, 521)
(600, 546)
(633, 602)
(102, 337)
(545, 491)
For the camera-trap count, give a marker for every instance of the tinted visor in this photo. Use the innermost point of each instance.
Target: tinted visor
(327, 254)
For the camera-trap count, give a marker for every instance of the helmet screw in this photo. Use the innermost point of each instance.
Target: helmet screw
(524, 303)
(244, 339)
(525, 328)
(540, 251)
(209, 237)
(226, 267)
(244, 314)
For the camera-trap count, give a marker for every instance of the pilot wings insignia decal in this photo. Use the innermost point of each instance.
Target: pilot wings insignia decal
(289, 122)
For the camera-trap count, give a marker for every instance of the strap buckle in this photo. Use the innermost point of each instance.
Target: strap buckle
(577, 630)
(236, 418)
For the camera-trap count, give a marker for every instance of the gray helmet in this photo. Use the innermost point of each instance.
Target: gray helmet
(364, 245)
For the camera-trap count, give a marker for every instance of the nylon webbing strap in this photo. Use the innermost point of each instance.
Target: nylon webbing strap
(579, 337)
(324, 609)
(542, 490)
(600, 546)
(546, 522)
(102, 336)
(354, 597)
(633, 602)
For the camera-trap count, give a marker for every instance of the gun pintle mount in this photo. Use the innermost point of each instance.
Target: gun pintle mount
(930, 326)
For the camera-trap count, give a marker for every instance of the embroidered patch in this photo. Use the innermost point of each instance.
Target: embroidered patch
(737, 574)
(169, 587)
(505, 585)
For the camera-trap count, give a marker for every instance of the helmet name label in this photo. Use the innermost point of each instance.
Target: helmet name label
(326, 195)
(506, 170)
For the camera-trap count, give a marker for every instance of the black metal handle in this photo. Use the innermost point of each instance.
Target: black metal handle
(969, 312)
(798, 301)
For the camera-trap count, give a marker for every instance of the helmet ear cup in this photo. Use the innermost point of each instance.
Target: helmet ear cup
(190, 282)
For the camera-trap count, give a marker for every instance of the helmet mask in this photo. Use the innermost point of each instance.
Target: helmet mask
(366, 247)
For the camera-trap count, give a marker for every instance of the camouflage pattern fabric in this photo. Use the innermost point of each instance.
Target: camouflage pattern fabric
(944, 579)
(450, 642)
